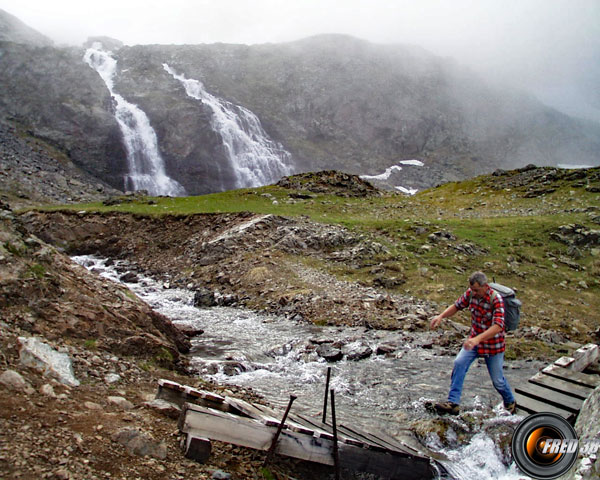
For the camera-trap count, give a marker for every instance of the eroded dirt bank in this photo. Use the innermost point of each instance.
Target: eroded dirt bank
(264, 262)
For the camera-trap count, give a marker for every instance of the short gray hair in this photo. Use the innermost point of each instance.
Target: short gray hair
(477, 277)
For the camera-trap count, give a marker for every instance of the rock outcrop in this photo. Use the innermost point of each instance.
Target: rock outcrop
(332, 101)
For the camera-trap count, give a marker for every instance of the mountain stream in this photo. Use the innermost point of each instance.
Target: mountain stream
(273, 356)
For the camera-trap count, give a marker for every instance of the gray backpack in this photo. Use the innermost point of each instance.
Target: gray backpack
(512, 306)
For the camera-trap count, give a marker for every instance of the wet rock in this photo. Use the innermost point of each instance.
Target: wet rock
(357, 350)
(386, 349)
(15, 381)
(329, 352)
(38, 355)
(129, 277)
(204, 298)
(232, 368)
(139, 443)
(190, 330)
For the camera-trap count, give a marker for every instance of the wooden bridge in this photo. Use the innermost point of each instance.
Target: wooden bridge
(562, 387)
(206, 416)
(559, 388)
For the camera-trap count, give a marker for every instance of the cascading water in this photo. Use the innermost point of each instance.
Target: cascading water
(256, 159)
(270, 355)
(146, 166)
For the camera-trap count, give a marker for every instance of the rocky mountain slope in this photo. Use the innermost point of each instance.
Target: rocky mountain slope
(35, 172)
(331, 101)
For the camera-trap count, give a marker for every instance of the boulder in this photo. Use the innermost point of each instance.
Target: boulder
(15, 381)
(139, 443)
(329, 352)
(42, 357)
(358, 350)
(204, 297)
(587, 428)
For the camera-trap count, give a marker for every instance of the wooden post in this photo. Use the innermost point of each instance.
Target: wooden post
(336, 453)
(279, 428)
(326, 394)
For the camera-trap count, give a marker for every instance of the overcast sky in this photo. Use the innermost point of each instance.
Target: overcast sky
(551, 47)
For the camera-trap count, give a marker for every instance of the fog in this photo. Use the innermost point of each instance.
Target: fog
(549, 47)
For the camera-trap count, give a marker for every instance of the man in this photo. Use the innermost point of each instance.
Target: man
(485, 340)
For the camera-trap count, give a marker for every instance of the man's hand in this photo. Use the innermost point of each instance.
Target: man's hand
(471, 343)
(435, 322)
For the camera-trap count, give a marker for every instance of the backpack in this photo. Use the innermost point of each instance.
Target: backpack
(512, 306)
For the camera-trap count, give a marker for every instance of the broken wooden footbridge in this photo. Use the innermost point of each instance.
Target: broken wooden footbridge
(206, 416)
(562, 387)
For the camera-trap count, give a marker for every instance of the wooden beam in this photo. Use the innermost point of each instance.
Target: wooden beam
(581, 358)
(202, 422)
(550, 397)
(562, 386)
(179, 394)
(389, 465)
(531, 405)
(578, 378)
(197, 449)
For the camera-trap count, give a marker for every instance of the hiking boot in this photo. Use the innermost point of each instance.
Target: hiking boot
(447, 407)
(511, 408)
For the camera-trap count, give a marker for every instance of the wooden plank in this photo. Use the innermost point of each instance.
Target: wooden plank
(202, 422)
(328, 430)
(551, 397)
(253, 411)
(579, 378)
(531, 405)
(562, 386)
(383, 440)
(369, 443)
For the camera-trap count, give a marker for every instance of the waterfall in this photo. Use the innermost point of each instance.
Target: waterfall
(146, 166)
(256, 159)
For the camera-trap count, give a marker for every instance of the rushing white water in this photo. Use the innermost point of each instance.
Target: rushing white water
(146, 166)
(256, 159)
(272, 355)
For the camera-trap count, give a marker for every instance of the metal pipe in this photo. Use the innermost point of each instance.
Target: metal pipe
(336, 453)
(326, 395)
(279, 428)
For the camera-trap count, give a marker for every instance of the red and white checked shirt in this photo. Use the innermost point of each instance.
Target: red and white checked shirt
(484, 314)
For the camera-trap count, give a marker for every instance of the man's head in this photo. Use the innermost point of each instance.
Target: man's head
(478, 283)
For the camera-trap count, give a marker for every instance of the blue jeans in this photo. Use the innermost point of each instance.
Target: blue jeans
(494, 365)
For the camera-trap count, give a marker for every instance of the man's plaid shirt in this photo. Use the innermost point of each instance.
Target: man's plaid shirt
(484, 314)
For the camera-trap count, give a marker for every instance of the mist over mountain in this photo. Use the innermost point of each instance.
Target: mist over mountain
(325, 102)
(14, 30)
